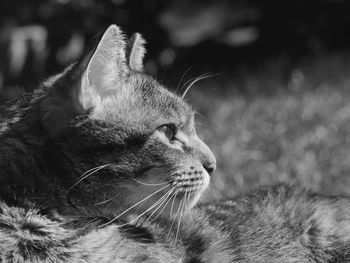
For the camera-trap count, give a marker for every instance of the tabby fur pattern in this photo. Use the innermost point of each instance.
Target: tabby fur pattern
(101, 163)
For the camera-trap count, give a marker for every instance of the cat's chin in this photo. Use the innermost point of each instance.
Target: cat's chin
(181, 204)
(172, 207)
(185, 198)
(151, 201)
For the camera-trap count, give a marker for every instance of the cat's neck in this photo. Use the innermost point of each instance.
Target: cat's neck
(23, 171)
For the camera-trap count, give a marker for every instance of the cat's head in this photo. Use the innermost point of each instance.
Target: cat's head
(117, 136)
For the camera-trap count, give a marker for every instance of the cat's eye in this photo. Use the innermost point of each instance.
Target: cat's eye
(169, 131)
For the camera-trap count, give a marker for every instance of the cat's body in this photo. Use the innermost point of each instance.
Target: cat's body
(275, 224)
(100, 142)
(103, 164)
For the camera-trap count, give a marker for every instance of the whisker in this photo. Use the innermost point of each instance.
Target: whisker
(193, 81)
(160, 201)
(148, 184)
(183, 76)
(169, 193)
(173, 221)
(186, 206)
(107, 200)
(204, 76)
(87, 174)
(149, 209)
(92, 169)
(188, 202)
(172, 204)
(139, 202)
(180, 216)
(169, 199)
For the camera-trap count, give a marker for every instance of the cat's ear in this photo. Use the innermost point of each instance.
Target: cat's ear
(105, 69)
(136, 52)
(82, 87)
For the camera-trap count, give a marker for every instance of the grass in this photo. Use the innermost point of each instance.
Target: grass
(290, 126)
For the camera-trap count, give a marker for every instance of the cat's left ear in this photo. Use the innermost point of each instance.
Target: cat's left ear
(98, 75)
(136, 52)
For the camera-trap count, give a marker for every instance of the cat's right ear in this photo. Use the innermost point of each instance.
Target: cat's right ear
(85, 84)
(136, 52)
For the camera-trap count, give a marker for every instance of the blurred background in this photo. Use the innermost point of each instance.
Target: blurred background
(274, 101)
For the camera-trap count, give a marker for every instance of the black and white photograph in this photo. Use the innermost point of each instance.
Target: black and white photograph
(179, 131)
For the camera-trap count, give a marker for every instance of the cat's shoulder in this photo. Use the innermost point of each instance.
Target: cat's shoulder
(31, 234)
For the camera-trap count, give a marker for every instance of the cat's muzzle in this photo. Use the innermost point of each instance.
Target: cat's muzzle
(188, 182)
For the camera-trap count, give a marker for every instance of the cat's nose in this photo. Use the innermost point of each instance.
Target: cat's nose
(210, 167)
(205, 155)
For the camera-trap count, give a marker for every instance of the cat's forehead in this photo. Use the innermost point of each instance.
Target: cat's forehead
(140, 99)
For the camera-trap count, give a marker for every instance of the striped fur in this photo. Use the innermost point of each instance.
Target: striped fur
(78, 155)
(273, 224)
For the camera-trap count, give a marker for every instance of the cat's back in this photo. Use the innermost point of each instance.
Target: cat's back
(13, 111)
(285, 224)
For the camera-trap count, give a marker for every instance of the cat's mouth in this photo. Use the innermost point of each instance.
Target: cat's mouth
(188, 184)
(169, 199)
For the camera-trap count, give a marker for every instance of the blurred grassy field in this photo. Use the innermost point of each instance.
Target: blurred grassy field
(290, 126)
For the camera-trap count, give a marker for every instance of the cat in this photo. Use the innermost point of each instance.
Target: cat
(102, 140)
(104, 116)
(103, 164)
